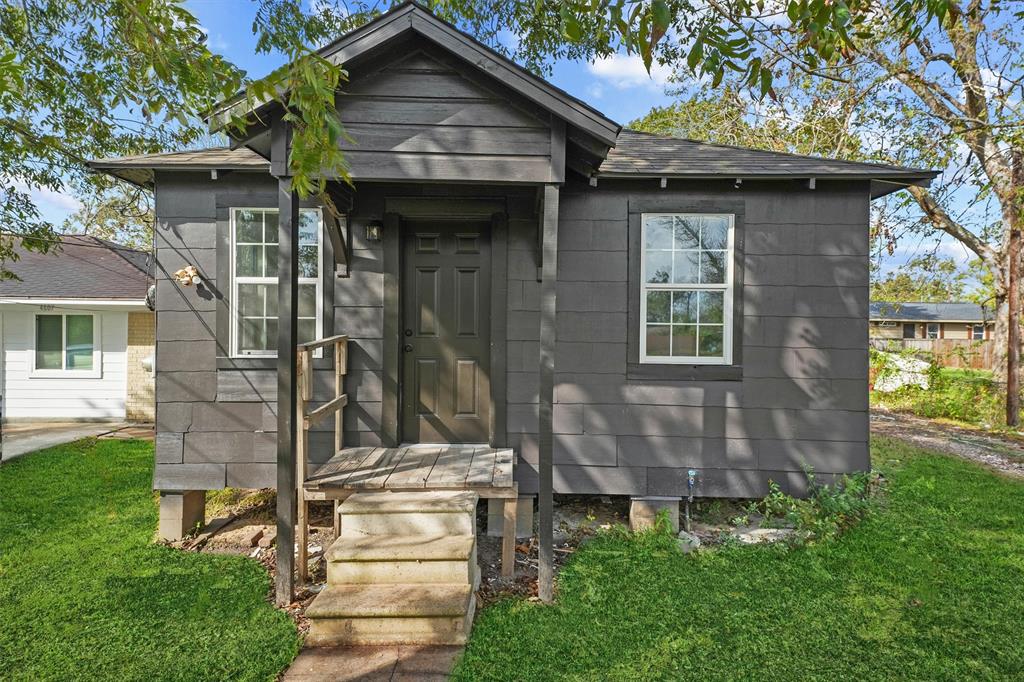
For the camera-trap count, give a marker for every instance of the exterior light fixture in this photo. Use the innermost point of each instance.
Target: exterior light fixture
(373, 229)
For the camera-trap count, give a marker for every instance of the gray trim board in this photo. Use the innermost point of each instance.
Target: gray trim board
(499, 325)
(390, 409)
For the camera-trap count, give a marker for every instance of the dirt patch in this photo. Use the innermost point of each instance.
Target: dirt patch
(1001, 453)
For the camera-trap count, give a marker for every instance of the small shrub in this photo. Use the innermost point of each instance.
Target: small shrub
(969, 396)
(827, 510)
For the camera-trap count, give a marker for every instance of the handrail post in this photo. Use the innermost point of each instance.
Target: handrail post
(303, 394)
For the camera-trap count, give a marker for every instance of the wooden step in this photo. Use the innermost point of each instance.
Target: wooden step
(391, 614)
(390, 559)
(427, 513)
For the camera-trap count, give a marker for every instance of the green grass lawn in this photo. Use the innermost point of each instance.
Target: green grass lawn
(85, 594)
(928, 587)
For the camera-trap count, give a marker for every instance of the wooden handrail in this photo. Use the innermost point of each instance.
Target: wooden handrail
(306, 418)
(320, 343)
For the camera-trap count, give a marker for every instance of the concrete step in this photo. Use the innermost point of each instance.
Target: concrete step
(391, 614)
(391, 559)
(428, 513)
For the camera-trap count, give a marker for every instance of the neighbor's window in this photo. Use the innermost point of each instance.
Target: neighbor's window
(65, 342)
(254, 280)
(933, 330)
(978, 332)
(909, 331)
(686, 288)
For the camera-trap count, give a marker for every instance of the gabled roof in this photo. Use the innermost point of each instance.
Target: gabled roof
(83, 267)
(412, 18)
(914, 311)
(645, 154)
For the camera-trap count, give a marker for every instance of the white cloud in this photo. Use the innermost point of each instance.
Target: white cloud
(627, 71)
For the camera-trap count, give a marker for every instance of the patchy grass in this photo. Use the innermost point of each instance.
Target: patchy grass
(962, 396)
(85, 594)
(927, 587)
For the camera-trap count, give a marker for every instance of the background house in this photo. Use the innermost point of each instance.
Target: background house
(916, 320)
(76, 335)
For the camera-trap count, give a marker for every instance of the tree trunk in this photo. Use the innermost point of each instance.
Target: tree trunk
(1013, 330)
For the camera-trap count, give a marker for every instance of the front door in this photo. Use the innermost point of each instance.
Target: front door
(446, 385)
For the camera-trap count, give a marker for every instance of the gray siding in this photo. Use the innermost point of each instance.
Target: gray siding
(800, 399)
(425, 115)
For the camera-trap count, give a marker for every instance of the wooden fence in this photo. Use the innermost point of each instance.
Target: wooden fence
(959, 353)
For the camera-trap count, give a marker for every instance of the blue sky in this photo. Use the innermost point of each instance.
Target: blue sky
(619, 87)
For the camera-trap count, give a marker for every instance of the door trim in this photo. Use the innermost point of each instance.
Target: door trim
(391, 403)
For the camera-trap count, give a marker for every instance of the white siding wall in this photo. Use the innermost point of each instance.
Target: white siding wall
(27, 397)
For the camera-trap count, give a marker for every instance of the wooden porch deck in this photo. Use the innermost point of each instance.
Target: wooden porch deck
(481, 469)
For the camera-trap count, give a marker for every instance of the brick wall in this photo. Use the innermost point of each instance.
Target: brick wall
(140, 405)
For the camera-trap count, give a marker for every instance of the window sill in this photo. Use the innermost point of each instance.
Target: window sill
(670, 372)
(65, 374)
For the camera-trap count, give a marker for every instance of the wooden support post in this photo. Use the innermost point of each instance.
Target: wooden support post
(337, 519)
(287, 336)
(548, 309)
(508, 537)
(340, 368)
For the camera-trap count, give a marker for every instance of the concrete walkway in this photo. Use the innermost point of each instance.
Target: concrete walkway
(373, 663)
(20, 438)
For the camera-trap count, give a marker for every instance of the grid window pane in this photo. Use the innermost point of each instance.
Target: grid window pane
(711, 306)
(307, 300)
(687, 232)
(309, 222)
(308, 257)
(711, 341)
(658, 339)
(684, 307)
(658, 232)
(253, 337)
(248, 261)
(270, 227)
(714, 233)
(658, 267)
(658, 305)
(684, 340)
(712, 267)
(685, 270)
(79, 341)
(49, 350)
(249, 227)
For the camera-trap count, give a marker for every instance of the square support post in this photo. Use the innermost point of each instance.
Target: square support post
(548, 309)
(287, 339)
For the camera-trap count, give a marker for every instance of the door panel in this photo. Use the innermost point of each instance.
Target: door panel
(446, 335)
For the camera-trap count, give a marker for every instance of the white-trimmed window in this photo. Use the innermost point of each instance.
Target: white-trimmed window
(932, 330)
(686, 288)
(978, 332)
(254, 279)
(66, 344)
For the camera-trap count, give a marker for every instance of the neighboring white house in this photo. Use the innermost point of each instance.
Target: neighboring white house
(76, 334)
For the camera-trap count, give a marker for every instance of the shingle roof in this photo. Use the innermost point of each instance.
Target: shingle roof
(638, 153)
(913, 311)
(82, 267)
(139, 169)
(635, 155)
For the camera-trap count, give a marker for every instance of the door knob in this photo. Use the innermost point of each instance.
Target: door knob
(408, 348)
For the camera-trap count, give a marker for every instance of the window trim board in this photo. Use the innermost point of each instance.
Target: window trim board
(648, 371)
(232, 303)
(726, 289)
(96, 372)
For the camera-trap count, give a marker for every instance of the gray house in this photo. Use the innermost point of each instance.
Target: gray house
(572, 306)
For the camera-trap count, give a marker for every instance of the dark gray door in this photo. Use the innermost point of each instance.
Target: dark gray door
(446, 385)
